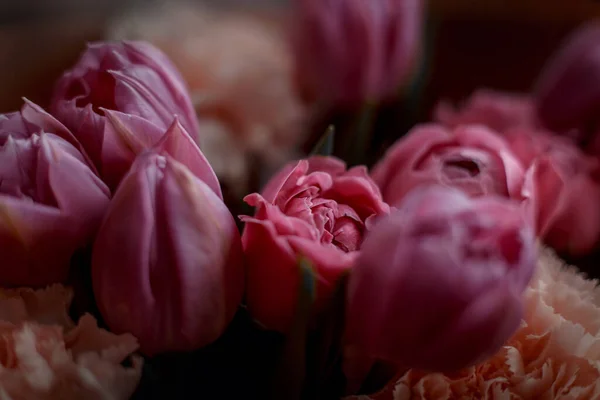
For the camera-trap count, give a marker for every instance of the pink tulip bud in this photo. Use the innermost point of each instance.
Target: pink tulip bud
(51, 202)
(126, 139)
(356, 51)
(131, 79)
(438, 283)
(167, 264)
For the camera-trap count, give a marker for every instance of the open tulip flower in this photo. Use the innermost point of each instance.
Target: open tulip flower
(313, 209)
(130, 81)
(167, 265)
(51, 201)
(471, 157)
(438, 283)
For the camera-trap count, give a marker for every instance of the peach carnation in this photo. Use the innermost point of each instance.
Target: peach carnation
(44, 355)
(555, 354)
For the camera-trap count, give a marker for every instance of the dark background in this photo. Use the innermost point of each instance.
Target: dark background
(495, 43)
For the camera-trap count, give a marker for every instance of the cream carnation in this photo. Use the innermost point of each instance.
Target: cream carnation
(44, 355)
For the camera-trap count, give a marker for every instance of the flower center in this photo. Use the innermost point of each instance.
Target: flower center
(95, 88)
(461, 167)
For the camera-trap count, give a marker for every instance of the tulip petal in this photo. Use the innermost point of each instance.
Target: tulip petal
(277, 182)
(115, 266)
(203, 245)
(484, 326)
(79, 193)
(125, 136)
(36, 243)
(178, 144)
(270, 259)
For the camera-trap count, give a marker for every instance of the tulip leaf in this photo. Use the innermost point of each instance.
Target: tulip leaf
(324, 146)
(290, 374)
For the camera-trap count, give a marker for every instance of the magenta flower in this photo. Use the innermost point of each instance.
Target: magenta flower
(568, 90)
(312, 208)
(51, 201)
(167, 263)
(438, 284)
(175, 142)
(355, 51)
(131, 79)
(471, 158)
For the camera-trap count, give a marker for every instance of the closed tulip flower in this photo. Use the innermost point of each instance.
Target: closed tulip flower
(133, 80)
(438, 285)
(51, 201)
(355, 51)
(167, 265)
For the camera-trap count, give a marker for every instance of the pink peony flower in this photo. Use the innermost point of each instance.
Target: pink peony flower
(555, 354)
(133, 80)
(51, 201)
(44, 355)
(438, 283)
(356, 51)
(167, 264)
(498, 111)
(312, 208)
(240, 71)
(568, 89)
(471, 158)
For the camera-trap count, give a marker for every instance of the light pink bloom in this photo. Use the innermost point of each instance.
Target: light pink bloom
(498, 111)
(167, 264)
(555, 354)
(559, 173)
(471, 158)
(315, 209)
(438, 283)
(355, 51)
(44, 355)
(51, 201)
(130, 79)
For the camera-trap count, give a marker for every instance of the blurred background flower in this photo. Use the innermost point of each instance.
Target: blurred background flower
(240, 71)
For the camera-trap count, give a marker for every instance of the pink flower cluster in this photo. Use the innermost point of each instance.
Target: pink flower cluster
(436, 245)
(114, 169)
(557, 169)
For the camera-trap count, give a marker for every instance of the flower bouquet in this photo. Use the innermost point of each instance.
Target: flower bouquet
(258, 230)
